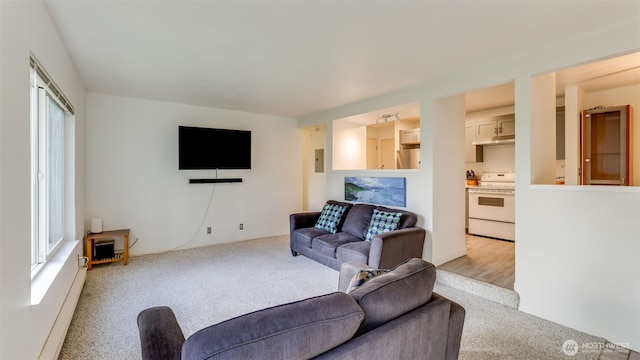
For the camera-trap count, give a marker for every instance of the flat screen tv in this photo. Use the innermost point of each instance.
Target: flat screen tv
(207, 148)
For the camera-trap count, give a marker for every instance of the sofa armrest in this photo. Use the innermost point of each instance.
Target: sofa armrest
(303, 220)
(347, 271)
(454, 333)
(394, 247)
(160, 334)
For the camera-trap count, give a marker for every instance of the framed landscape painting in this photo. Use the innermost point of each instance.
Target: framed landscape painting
(390, 191)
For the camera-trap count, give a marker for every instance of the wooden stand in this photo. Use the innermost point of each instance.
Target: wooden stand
(118, 256)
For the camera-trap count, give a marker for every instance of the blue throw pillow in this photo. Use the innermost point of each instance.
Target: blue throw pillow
(382, 221)
(330, 217)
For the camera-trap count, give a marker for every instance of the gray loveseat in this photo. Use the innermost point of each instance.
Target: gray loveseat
(392, 316)
(349, 242)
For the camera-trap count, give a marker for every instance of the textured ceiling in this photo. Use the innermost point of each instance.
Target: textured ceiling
(293, 58)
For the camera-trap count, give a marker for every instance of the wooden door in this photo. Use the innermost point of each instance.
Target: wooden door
(387, 154)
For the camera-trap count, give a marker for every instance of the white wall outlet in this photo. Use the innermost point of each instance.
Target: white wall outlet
(241, 226)
(208, 229)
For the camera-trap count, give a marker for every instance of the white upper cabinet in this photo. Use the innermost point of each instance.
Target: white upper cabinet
(498, 126)
(507, 126)
(486, 129)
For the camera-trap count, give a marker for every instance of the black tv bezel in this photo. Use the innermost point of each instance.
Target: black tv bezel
(247, 148)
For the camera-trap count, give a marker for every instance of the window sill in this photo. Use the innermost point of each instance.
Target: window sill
(47, 274)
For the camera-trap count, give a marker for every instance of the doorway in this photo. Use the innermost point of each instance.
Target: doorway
(487, 259)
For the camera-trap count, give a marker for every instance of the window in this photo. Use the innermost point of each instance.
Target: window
(49, 112)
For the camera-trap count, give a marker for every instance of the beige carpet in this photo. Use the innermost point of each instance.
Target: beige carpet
(208, 285)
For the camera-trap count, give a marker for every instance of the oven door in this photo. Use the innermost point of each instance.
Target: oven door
(494, 206)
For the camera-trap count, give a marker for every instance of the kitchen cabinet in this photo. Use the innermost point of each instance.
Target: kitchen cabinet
(507, 126)
(503, 125)
(410, 136)
(606, 146)
(473, 153)
(486, 129)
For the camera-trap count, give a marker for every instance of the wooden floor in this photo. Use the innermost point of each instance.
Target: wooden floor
(487, 260)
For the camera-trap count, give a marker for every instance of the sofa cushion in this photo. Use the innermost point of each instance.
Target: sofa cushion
(354, 251)
(327, 244)
(330, 217)
(299, 330)
(401, 290)
(304, 236)
(357, 220)
(382, 221)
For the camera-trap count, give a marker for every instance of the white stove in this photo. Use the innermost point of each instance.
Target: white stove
(492, 206)
(496, 182)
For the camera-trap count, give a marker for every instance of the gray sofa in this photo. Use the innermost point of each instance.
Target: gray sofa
(392, 316)
(384, 251)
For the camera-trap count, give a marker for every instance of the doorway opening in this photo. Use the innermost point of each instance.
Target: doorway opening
(489, 217)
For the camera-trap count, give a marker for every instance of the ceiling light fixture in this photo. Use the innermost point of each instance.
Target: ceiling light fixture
(386, 117)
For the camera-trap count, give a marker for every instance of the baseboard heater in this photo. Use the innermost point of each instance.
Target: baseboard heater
(54, 342)
(215, 181)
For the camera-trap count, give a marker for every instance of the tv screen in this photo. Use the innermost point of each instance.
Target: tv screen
(208, 148)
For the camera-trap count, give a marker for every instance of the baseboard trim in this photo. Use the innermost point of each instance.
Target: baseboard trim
(451, 256)
(53, 345)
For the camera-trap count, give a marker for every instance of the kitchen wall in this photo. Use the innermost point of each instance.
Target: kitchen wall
(500, 158)
(133, 179)
(568, 247)
(26, 27)
(497, 158)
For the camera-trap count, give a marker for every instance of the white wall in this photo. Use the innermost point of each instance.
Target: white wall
(448, 206)
(349, 146)
(25, 26)
(499, 158)
(574, 103)
(314, 184)
(542, 128)
(572, 241)
(133, 179)
(577, 259)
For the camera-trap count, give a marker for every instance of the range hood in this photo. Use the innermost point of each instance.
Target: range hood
(495, 141)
